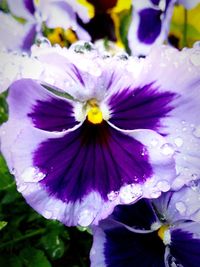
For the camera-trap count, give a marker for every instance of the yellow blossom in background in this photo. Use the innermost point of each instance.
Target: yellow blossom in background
(185, 25)
(62, 37)
(89, 7)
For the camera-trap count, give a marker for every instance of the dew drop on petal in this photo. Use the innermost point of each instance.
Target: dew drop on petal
(122, 56)
(47, 214)
(178, 141)
(42, 41)
(85, 217)
(82, 47)
(163, 186)
(196, 132)
(195, 58)
(194, 185)
(22, 187)
(130, 193)
(181, 207)
(167, 149)
(154, 142)
(32, 174)
(113, 195)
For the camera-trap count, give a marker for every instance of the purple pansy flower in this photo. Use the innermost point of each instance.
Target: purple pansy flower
(53, 13)
(150, 23)
(164, 232)
(97, 132)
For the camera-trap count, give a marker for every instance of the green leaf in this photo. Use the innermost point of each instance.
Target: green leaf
(3, 108)
(32, 257)
(6, 179)
(125, 21)
(57, 92)
(2, 224)
(53, 245)
(11, 261)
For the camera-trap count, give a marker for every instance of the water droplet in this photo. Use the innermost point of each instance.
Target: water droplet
(113, 195)
(42, 41)
(130, 193)
(196, 44)
(47, 214)
(22, 187)
(32, 174)
(85, 217)
(167, 149)
(194, 185)
(122, 56)
(163, 186)
(155, 193)
(178, 141)
(180, 206)
(13, 171)
(195, 58)
(82, 47)
(154, 142)
(196, 132)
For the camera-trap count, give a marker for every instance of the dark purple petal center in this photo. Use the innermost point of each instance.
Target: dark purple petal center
(29, 6)
(140, 108)
(94, 157)
(150, 25)
(53, 115)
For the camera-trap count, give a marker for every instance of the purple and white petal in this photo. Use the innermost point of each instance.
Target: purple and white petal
(115, 245)
(12, 33)
(185, 244)
(29, 38)
(180, 205)
(178, 72)
(140, 108)
(150, 25)
(139, 216)
(22, 9)
(57, 14)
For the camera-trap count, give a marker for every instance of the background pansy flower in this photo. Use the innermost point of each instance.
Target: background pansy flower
(105, 19)
(113, 136)
(151, 233)
(150, 24)
(12, 33)
(52, 13)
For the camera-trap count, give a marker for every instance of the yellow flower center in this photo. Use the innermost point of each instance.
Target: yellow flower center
(37, 2)
(94, 113)
(162, 230)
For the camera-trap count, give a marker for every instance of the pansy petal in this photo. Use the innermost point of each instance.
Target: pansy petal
(185, 244)
(180, 205)
(178, 72)
(140, 108)
(48, 179)
(117, 246)
(22, 9)
(12, 32)
(37, 106)
(150, 25)
(140, 215)
(29, 38)
(58, 14)
(97, 157)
